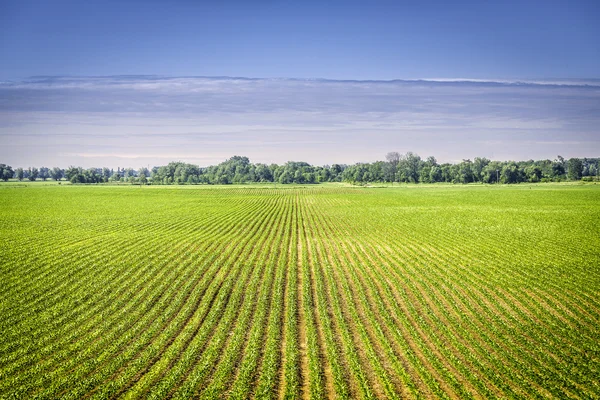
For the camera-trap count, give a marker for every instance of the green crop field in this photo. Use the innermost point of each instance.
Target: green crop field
(300, 292)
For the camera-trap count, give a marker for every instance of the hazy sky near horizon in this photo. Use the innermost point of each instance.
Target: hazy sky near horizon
(119, 83)
(140, 121)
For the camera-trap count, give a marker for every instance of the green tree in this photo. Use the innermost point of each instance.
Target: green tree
(465, 172)
(510, 173)
(558, 168)
(393, 159)
(56, 173)
(533, 173)
(106, 174)
(129, 175)
(6, 172)
(33, 174)
(75, 174)
(477, 168)
(574, 169)
(19, 174)
(435, 174)
(491, 172)
(409, 167)
(44, 173)
(116, 176)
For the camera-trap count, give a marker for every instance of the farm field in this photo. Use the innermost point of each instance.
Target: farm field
(300, 292)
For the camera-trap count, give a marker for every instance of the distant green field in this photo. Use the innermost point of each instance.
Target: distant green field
(299, 292)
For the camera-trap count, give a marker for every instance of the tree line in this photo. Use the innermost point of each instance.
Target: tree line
(396, 167)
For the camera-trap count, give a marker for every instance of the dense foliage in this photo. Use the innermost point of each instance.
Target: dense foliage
(408, 168)
(289, 292)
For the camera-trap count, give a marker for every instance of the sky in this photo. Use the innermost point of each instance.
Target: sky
(134, 83)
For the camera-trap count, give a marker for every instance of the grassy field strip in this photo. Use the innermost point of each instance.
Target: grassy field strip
(109, 300)
(203, 256)
(292, 368)
(349, 264)
(71, 283)
(346, 384)
(270, 368)
(50, 268)
(475, 299)
(241, 309)
(516, 310)
(428, 372)
(391, 372)
(321, 372)
(300, 292)
(173, 305)
(531, 282)
(380, 377)
(52, 335)
(271, 356)
(367, 384)
(242, 383)
(354, 263)
(200, 313)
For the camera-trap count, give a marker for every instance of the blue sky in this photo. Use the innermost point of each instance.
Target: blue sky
(86, 48)
(336, 39)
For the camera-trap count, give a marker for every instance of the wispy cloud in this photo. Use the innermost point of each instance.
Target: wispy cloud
(111, 120)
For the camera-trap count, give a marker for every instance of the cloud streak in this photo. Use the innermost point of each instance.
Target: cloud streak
(92, 121)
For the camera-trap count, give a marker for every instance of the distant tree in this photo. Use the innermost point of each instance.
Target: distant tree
(593, 171)
(129, 175)
(393, 159)
(44, 173)
(142, 178)
(116, 176)
(6, 172)
(263, 173)
(336, 172)
(491, 172)
(298, 176)
(19, 174)
(92, 175)
(574, 169)
(533, 173)
(435, 174)
(558, 168)
(143, 170)
(222, 179)
(510, 173)
(465, 172)
(477, 168)
(56, 173)
(33, 174)
(285, 177)
(409, 167)
(106, 174)
(75, 175)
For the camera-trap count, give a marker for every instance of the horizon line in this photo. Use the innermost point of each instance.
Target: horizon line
(559, 82)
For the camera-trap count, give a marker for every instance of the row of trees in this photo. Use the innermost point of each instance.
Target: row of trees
(411, 168)
(32, 174)
(240, 170)
(397, 167)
